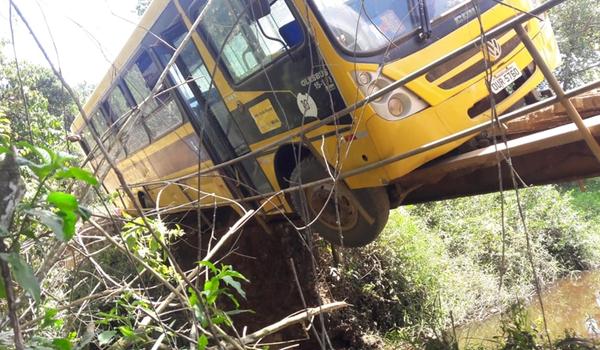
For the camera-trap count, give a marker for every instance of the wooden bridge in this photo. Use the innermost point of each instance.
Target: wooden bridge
(544, 147)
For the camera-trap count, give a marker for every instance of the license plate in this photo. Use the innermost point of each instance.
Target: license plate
(505, 77)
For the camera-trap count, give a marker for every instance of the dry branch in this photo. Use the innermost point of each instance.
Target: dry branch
(308, 314)
(11, 193)
(123, 343)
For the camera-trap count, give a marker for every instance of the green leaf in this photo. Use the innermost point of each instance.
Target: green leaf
(211, 290)
(85, 213)
(234, 284)
(106, 337)
(2, 289)
(234, 274)
(212, 285)
(50, 319)
(237, 312)
(193, 297)
(126, 331)
(60, 158)
(63, 201)
(68, 210)
(233, 299)
(69, 220)
(195, 303)
(78, 174)
(61, 344)
(221, 318)
(44, 154)
(210, 265)
(50, 220)
(202, 342)
(23, 274)
(42, 169)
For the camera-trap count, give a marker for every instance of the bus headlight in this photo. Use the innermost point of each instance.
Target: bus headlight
(395, 105)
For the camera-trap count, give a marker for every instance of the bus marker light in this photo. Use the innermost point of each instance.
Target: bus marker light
(363, 78)
(350, 137)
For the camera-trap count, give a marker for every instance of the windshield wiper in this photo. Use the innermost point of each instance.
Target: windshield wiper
(425, 31)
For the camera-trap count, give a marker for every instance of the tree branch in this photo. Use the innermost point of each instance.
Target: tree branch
(11, 193)
(291, 320)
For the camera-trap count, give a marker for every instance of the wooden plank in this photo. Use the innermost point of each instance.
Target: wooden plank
(486, 157)
(555, 115)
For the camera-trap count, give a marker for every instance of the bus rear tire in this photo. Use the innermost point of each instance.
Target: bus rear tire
(353, 229)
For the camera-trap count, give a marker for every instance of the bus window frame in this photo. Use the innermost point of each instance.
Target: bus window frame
(107, 109)
(263, 68)
(133, 110)
(208, 127)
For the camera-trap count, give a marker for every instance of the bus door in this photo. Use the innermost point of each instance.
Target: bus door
(221, 136)
(276, 80)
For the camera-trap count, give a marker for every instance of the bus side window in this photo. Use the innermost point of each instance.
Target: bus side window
(248, 44)
(99, 123)
(133, 133)
(114, 148)
(161, 114)
(190, 73)
(116, 106)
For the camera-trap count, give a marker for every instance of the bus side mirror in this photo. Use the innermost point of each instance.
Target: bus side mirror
(259, 9)
(292, 34)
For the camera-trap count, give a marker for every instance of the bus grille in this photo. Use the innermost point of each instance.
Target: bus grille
(472, 71)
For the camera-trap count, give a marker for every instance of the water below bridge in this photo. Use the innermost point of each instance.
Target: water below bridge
(571, 304)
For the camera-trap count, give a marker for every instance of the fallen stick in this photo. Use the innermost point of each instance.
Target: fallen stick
(290, 320)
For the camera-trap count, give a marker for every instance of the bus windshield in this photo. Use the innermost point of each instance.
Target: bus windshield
(363, 26)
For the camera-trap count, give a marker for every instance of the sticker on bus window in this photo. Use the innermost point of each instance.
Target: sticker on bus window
(307, 105)
(265, 117)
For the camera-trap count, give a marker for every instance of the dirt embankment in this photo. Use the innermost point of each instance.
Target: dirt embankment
(273, 293)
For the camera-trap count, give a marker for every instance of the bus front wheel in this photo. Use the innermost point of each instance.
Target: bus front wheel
(333, 211)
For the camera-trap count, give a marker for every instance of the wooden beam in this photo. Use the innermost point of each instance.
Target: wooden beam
(487, 156)
(550, 117)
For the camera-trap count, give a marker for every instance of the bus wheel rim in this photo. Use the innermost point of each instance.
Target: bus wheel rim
(322, 202)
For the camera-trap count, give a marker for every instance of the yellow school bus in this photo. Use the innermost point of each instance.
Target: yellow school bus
(256, 72)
